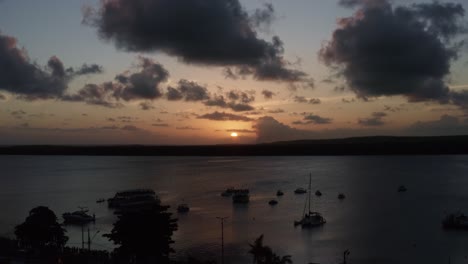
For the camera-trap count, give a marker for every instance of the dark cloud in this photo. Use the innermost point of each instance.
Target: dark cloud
(223, 116)
(263, 17)
(30, 81)
(146, 105)
(276, 111)
(22, 77)
(268, 94)
(86, 69)
(208, 32)
(240, 96)
(18, 114)
(313, 119)
(376, 119)
(187, 128)
(386, 50)
(142, 85)
(187, 90)
(234, 100)
(347, 101)
(302, 99)
(160, 125)
(130, 128)
(95, 94)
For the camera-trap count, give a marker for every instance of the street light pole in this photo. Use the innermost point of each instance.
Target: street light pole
(222, 237)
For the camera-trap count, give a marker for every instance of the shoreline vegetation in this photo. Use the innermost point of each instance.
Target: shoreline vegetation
(377, 145)
(143, 236)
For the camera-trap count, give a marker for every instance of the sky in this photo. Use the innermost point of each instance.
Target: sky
(171, 72)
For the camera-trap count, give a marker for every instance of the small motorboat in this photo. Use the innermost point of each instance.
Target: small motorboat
(318, 193)
(402, 188)
(341, 196)
(183, 208)
(279, 193)
(455, 221)
(300, 191)
(100, 200)
(273, 202)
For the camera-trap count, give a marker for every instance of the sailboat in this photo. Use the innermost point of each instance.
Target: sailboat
(309, 218)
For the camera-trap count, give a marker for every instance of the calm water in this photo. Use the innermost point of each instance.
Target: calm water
(377, 224)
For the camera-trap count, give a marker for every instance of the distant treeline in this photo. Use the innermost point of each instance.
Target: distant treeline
(379, 145)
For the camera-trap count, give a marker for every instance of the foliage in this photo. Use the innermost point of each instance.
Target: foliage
(41, 230)
(265, 255)
(144, 235)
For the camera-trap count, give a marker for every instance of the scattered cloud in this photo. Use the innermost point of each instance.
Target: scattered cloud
(141, 85)
(146, 105)
(160, 125)
(187, 128)
(187, 90)
(347, 101)
(276, 111)
(18, 114)
(267, 94)
(376, 119)
(313, 119)
(223, 116)
(302, 99)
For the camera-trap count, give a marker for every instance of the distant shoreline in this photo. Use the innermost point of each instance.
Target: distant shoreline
(379, 145)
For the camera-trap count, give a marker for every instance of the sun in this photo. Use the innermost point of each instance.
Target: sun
(234, 134)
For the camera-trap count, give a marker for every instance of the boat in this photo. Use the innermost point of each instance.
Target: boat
(133, 200)
(183, 208)
(300, 191)
(402, 188)
(100, 200)
(78, 217)
(318, 193)
(228, 192)
(455, 221)
(341, 196)
(279, 193)
(309, 218)
(241, 196)
(273, 202)
(232, 191)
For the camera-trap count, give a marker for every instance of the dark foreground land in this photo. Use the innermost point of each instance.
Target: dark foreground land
(379, 145)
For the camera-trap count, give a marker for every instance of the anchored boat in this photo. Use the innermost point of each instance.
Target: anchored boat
(309, 218)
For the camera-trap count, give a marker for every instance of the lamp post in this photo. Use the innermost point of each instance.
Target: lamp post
(222, 237)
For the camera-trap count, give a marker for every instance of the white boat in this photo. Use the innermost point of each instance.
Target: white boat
(309, 218)
(78, 217)
(133, 198)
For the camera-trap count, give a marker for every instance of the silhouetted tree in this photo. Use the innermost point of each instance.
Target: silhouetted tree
(41, 230)
(144, 235)
(265, 255)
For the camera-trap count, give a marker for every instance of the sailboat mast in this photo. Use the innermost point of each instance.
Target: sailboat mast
(310, 188)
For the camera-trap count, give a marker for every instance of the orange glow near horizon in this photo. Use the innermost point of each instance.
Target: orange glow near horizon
(234, 134)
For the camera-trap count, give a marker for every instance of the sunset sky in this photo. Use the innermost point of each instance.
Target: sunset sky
(193, 72)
